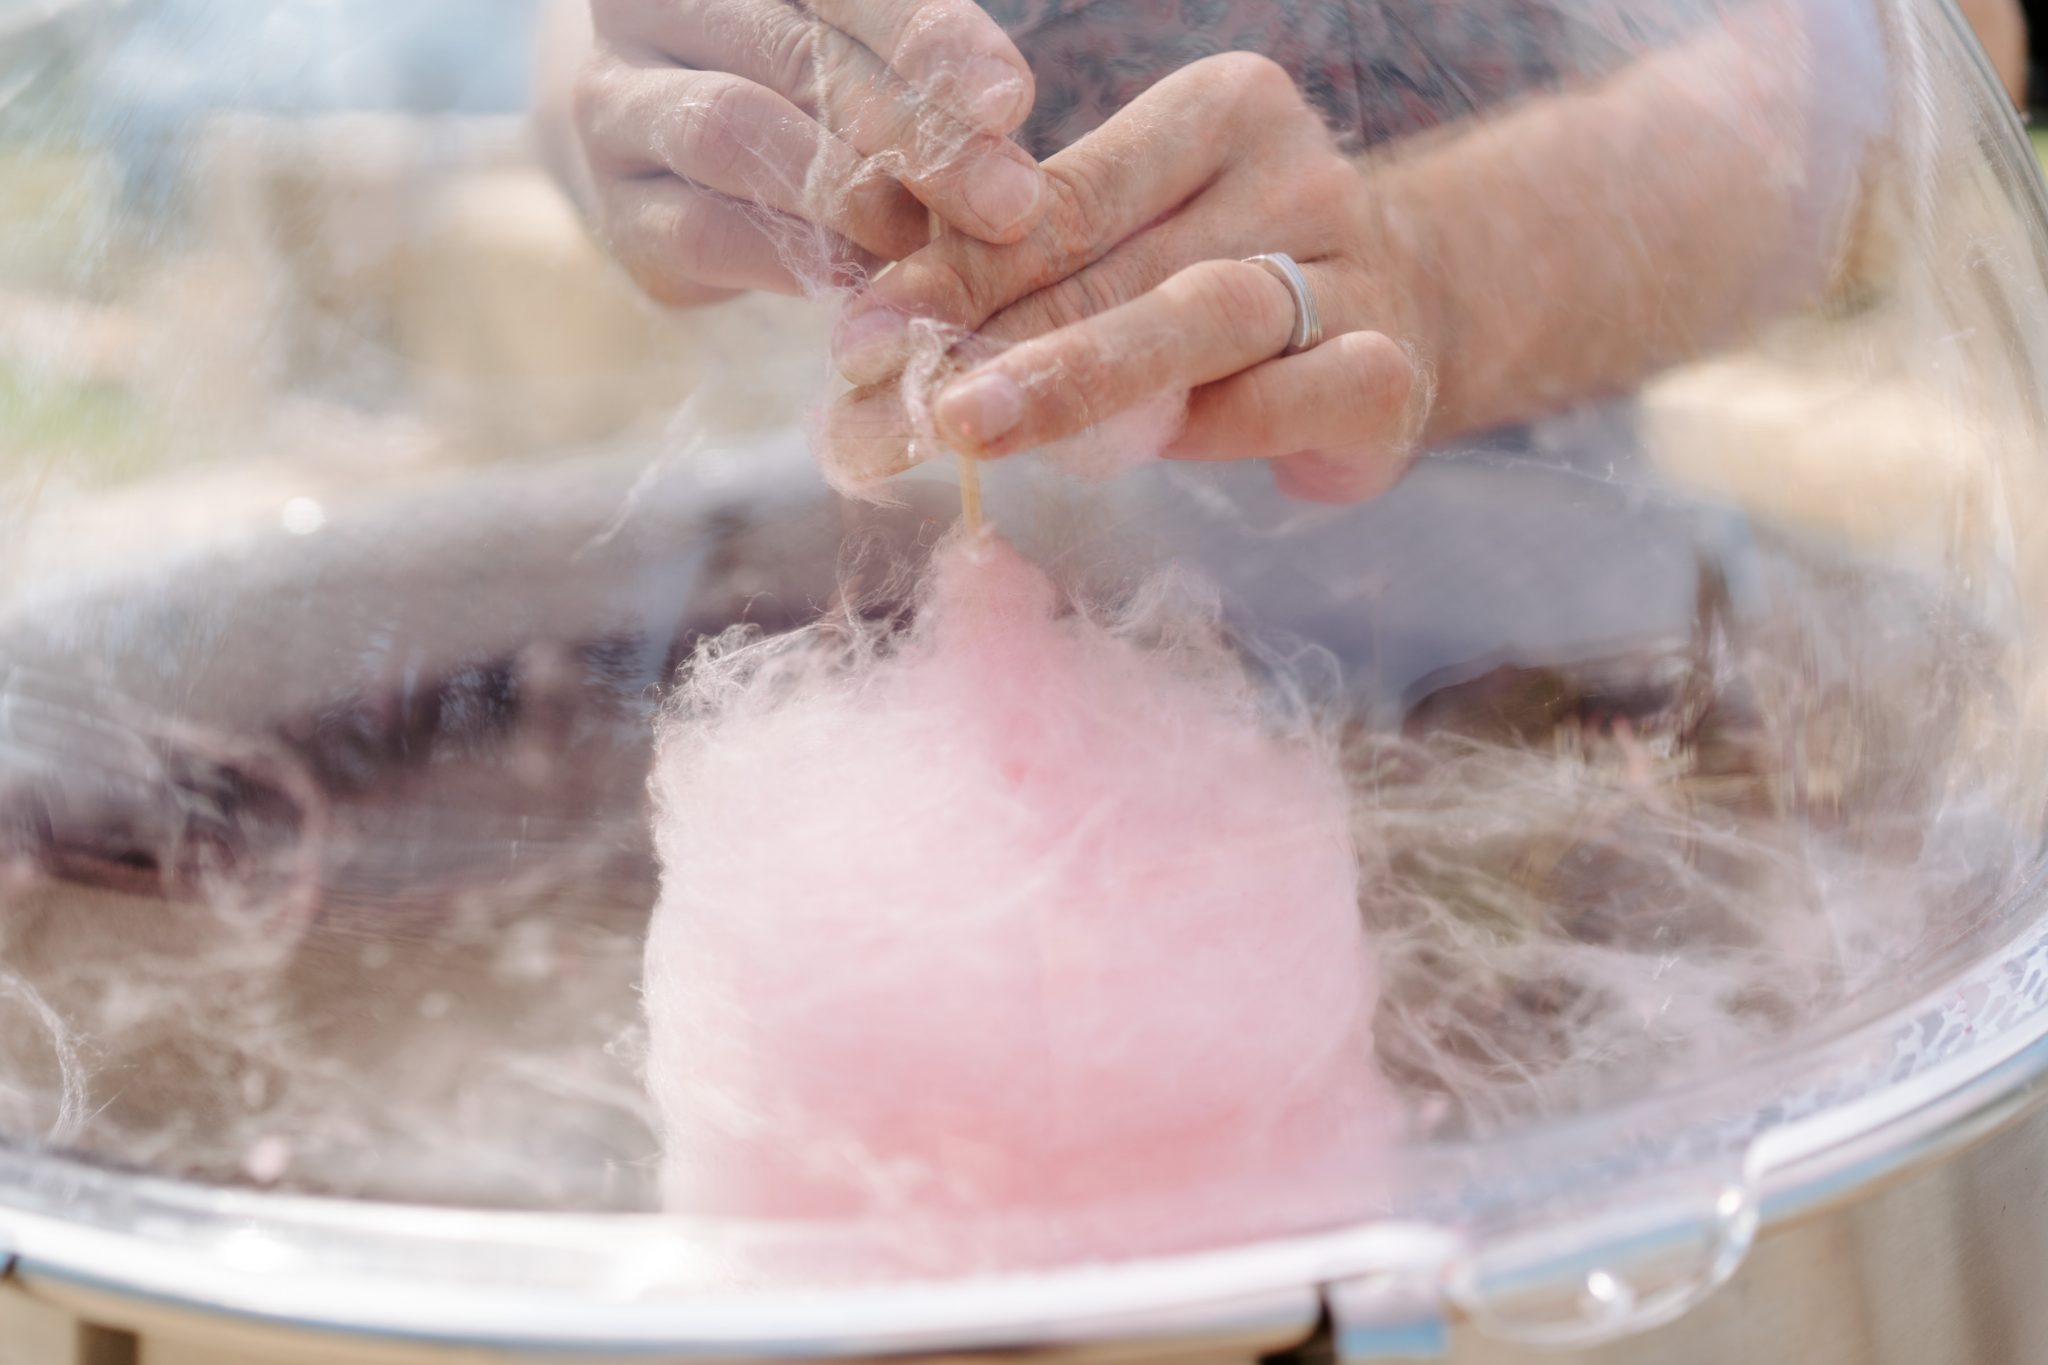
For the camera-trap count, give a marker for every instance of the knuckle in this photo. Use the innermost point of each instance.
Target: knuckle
(711, 131)
(1254, 81)
(1026, 320)
(1089, 293)
(1047, 311)
(1083, 367)
(1078, 217)
(791, 62)
(1077, 298)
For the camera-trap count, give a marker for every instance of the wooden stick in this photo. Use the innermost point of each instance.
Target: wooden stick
(970, 491)
(970, 469)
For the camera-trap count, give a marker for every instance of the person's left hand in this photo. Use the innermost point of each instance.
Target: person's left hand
(1133, 286)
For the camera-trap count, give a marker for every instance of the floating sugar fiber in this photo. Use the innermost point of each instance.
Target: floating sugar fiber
(1021, 931)
(1616, 924)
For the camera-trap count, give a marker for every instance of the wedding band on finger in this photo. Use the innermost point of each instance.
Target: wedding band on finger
(1308, 322)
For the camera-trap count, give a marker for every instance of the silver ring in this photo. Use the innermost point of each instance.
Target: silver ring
(1308, 323)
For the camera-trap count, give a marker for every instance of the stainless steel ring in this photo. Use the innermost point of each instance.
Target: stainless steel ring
(1308, 322)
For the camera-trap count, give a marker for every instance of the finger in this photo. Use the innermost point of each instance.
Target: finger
(976, 182)
(1350, 395)
(981, 184)
(1206, 323)
(1104, 189)
(950, 51)
(864, 437)
(1229, 222)
(1344, 475)
(686, 245)
(746, 141)
(1141, 264)
(768, 42)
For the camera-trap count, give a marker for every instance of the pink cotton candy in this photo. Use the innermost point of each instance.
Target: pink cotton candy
(1019, 937)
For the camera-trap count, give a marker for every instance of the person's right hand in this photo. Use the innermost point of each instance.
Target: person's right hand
(785, 144)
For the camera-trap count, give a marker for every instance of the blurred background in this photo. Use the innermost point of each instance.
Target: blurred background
(247, 240)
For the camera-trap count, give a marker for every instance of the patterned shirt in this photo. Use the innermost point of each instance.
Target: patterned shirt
(1378, 69)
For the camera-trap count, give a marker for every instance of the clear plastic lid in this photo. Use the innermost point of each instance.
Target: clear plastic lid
(359, 517)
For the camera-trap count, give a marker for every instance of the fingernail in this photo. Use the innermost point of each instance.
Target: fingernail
(1003, 192)
(870, 345)
(982, 408)
(994, 95)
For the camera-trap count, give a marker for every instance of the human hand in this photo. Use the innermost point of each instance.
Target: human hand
(764, 144)
(1133, 286)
